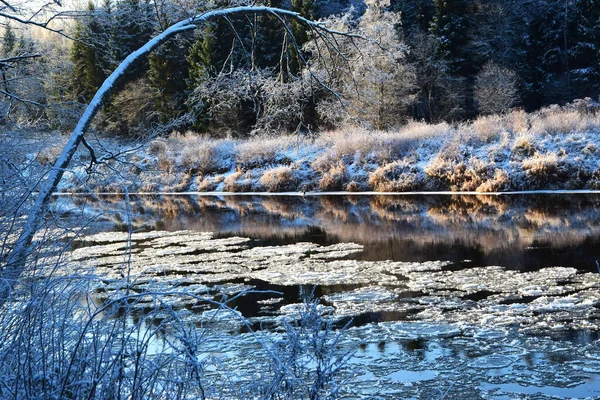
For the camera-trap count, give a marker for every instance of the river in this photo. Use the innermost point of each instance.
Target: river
(442, 296)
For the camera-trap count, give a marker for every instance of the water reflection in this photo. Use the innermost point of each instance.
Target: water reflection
(524, 232)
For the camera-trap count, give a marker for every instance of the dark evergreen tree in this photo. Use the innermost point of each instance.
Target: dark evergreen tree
(168, 74)
(584, 48)
(417, 15)
(451, 25)
(87, 71)
(9, 41)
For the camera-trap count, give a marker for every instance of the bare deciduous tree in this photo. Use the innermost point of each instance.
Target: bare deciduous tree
(496, 89)
(15, 262)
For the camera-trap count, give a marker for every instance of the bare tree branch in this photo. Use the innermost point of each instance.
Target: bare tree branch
(18, 255)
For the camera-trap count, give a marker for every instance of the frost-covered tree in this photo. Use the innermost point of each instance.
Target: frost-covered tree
(380, 84)
(496, 89)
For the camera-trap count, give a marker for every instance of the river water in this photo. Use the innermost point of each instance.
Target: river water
(442, 296)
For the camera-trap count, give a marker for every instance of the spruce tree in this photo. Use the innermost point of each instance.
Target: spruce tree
(9, 41)
(87, 72)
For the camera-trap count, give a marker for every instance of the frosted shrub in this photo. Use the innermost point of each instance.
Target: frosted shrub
(263, 151)
(544, 171)
(280, 179)
(524, 145)
(399, 176)
(489, 128)
(496, 89)
(206, 155)
(336, 178)
(313, 356)
(500, 181)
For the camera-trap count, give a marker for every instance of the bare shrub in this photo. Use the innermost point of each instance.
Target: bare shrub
(496, 89)
(336, 178)
(280, 179)
(282, 105)
(399, 176)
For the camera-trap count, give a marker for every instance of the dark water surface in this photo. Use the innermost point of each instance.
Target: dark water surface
(520, 232)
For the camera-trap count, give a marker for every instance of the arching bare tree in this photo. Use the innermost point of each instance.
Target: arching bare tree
(16, 259)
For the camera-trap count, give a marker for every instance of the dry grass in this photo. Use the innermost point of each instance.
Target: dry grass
(557, 120)
(280, 179)
(489, 128)
(352, 143)
(204, 154)
(262, 151)
(335, 179)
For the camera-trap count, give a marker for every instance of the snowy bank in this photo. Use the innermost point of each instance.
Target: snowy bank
(553, 149)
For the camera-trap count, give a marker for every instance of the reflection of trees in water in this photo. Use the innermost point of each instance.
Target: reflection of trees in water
(392, 224)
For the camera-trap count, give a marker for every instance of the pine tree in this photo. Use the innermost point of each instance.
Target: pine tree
(451, 26)
(87, 72)
(584, 49)
(9, 41)
(168, 73)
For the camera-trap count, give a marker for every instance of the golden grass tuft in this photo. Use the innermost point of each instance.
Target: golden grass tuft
(335, 179)
(399, 176)
(280, 179)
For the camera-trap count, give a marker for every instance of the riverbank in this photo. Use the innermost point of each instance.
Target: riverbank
(553, 149)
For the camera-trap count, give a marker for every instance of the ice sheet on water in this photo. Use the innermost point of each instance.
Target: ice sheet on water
(550, 299)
